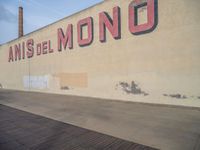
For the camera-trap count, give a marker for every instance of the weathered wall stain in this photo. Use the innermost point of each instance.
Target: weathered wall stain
(36, 82)
(1, 86)
(67, 80)
(178, 96)
(65, 88)
(132, 88)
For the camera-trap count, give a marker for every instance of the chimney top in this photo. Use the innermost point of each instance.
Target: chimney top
(20, 22)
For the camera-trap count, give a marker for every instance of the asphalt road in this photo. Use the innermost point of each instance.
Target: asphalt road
(159, 126)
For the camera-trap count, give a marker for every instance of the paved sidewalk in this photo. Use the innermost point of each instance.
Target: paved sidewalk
(20, 130)
(159, 126)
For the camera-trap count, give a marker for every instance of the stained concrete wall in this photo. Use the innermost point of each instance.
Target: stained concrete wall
(164, 64)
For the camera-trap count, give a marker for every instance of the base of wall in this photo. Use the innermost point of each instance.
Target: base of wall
(150, 99)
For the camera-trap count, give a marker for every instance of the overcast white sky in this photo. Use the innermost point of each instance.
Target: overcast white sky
(37, 13)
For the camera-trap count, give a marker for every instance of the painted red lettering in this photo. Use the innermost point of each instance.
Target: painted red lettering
(152, 17)
(10, 57)
(44, 47)
(39, 49)
(30, 49)
(23, 50)
(17, 52)
(66, 39)
(82, 23)
(112, 25)
(49, 47)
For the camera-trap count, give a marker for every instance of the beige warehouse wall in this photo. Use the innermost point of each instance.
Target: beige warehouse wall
(164, 63)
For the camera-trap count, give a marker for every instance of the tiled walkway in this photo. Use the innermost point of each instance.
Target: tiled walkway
(20, 130)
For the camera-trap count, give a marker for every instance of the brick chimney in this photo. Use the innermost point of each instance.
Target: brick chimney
(20, 23)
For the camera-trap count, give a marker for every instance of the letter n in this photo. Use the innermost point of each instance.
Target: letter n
(114, 26)
(17, 52)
